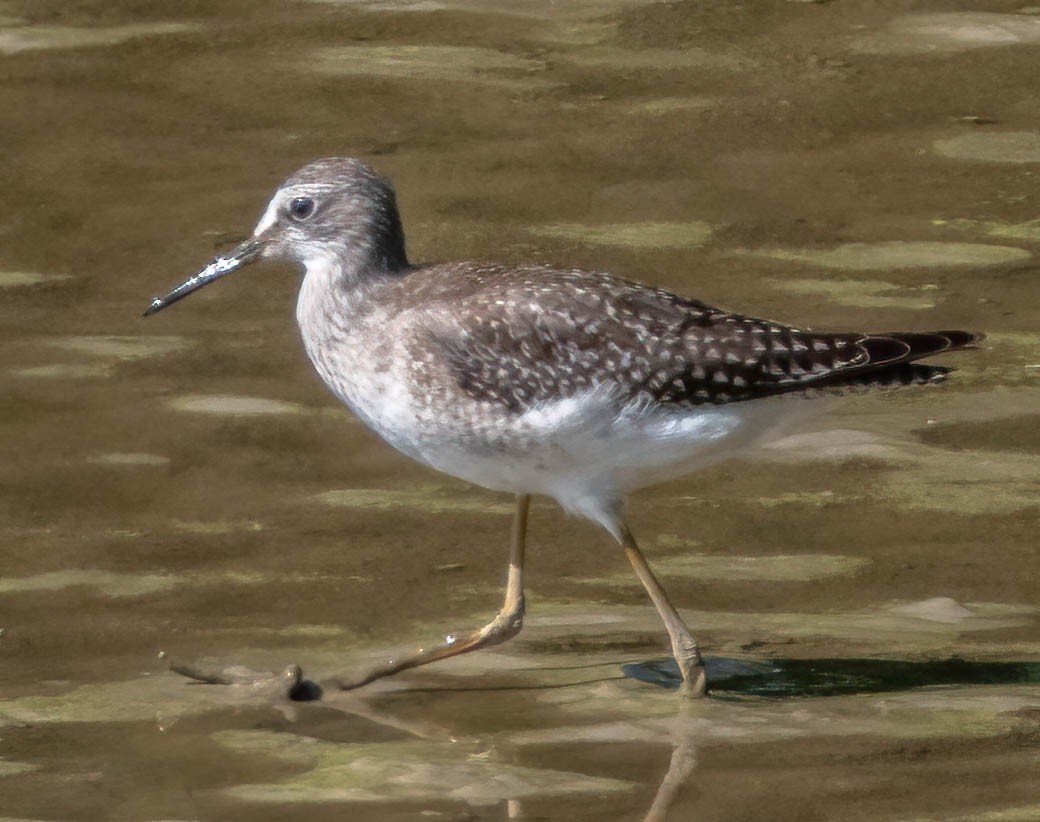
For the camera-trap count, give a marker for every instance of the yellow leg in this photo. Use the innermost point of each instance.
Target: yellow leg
(684, 646)
(506, 624)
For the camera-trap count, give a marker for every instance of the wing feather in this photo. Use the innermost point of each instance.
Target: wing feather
(549, 335)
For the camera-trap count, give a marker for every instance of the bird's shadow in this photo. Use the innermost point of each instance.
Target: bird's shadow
(778, 678)
(834, 677)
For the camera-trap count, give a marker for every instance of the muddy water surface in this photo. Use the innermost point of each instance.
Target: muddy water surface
(184, 484)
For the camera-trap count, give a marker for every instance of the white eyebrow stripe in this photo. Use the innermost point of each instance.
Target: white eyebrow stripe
(270, 217)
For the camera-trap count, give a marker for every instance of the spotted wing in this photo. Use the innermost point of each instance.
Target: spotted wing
(740, 358)
(536, 339)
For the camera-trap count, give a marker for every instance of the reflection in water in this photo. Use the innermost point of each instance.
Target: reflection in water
(680, 766)
(488, 772)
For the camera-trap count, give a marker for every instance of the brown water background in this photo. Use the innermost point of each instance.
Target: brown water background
(185, 484)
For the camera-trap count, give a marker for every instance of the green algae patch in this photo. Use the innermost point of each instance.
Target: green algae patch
(968, 482)
(14, 769)
(1019, 813)
(898, 254)
(577, 33)
(233, 405)
(35, 38)
(1022, 342)
(993, 146)
(662, 106)
(452, 64)
(217, 527)
(656, 59)
(399, 771)
(64, 371)
(135, 700)
(121, 347)
(130, 459)
(944, 33)
(21, 279)
(1028, 231)
(863, 293)
(777, 568)
(315, 631)
(811, 499)
(434, 499)
(106, 350)
(971, 497)
(631, 235)
(106, 582)
(111, 584)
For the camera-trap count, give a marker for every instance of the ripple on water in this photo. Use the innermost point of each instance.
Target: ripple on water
(432, 499)
(896, 254)
(121, 347)
(14, 769)
(950, 32)
(661, 106)
(34, 38)
(656, 59)
(217, 527)
(64, 371)
(1029, 230)
(112, 584)
(392, 5)
(129, 459)
(987, 482)
(632, 235)
(18, 279)
(863, 293)
(993, 146)
(837, 444)
(108, 349)
(399, 770)
(985, 492)
(233, 405)
(105, 582)
(453, 64)
(776, 568)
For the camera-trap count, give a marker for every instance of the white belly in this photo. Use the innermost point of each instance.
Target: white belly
(588, 453)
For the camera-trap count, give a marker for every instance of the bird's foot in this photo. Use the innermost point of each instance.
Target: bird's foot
(691, 666)
(289, 683)
(695, 682)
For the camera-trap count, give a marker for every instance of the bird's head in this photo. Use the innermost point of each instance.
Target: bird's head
(335, 213)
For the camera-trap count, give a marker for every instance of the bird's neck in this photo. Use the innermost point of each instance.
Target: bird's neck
(337, 294)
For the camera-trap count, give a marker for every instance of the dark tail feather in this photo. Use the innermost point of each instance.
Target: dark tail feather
(905, 347)
(893, 376)
(892, 359)
(962, 339)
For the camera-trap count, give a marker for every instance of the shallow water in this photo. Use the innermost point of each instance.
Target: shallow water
(184, 484)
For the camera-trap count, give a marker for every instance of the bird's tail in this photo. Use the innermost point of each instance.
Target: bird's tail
(894, 357)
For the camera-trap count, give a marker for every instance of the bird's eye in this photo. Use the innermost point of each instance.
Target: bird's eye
(300, 208)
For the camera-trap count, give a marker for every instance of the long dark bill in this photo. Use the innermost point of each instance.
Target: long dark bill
(224, 264)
